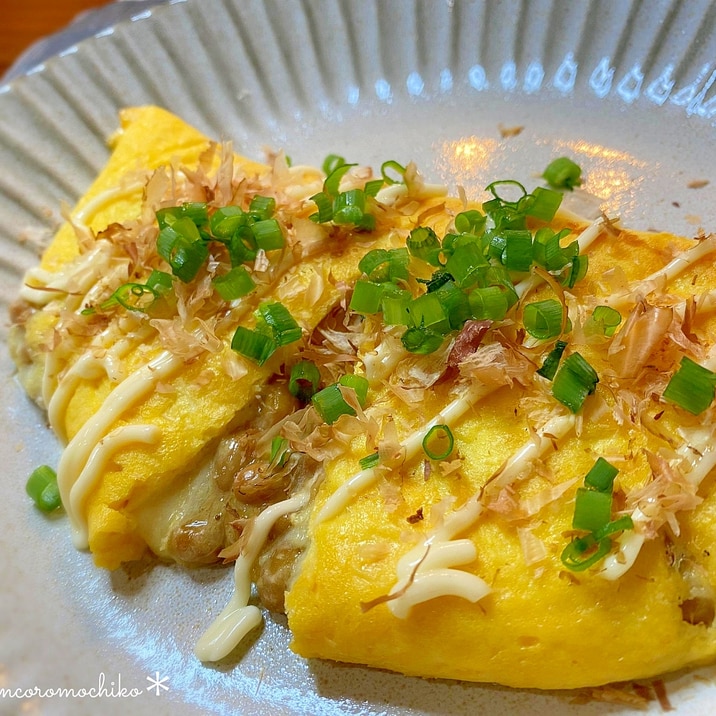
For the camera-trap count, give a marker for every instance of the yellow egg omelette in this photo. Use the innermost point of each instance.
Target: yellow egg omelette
(453, 437)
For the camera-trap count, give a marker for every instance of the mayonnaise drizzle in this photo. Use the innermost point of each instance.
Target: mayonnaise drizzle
(92, 472)
(239, 617)
(362, 480)
(78, 451)
(426, 571)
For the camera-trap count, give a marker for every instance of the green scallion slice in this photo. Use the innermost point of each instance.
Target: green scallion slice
(160, 282)
(489, 302)
(604, 321)
(470, 222)
(255, 345)
(551, 362)
(563, 173)
(543, 319)
(331, 163)
(195, 211)
(427, 311)
(283, 325)
(543, 203)
(619, 525)
(225, 221)
(574, 381)
(330, 404)
(438, 442)
(392, 166)
(424, 244)
(42, 487)
(421, 340)
(692, 387)
(385, 264)
(369, 461)
(268, 234)
(234, 284)
(465, 264)
(358, 383)
(583, 552)
(367, 297)
(601, 476)
(262, 208)
(180, 245)
(304, 380)
(517, 254)
(132, 296)
(592, 509)
(324, 204)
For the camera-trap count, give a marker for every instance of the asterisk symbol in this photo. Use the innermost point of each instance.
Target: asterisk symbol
(157, 683)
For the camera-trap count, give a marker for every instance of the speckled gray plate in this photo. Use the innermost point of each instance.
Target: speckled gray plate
(626, 88)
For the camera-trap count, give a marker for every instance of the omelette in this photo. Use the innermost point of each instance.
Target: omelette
(450, 437)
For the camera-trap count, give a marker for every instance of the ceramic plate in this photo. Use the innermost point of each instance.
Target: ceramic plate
(472, 91)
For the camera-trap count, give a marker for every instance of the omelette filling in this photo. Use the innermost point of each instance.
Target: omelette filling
(277, 346)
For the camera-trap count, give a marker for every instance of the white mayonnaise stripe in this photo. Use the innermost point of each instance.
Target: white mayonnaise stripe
(87, 367)
(91, 474)
(429, 564)
(238, 617)
(125, 395)
(340, 499)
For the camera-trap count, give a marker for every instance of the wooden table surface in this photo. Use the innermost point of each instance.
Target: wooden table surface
(22, 22)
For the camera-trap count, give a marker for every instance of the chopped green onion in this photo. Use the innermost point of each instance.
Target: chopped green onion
(563, 173)
(438, 443)
(619, 525)
(438, 279)
(197, 212)
(324, 204)
(385, 264)
(455, 303)
(234, 284)
(242, 246)
(132, 296)
(543, 203)
(421, 340)
(226, 220)
(465, 264)
(283, 325)
(160, 282)
(372, 187)
(592, 509)
(349, 207)
(268, 234)
(331, 163)
(369, 461)
(42, 487)
(489, 302)
(583, 552)
(262, 208)
(367, 297)
(279, 451)
(547, 250)
(254, 345)
(180, 245)
(505, 183)
(333, 180)
(359, 385)
(604, 321)
(692, 387)
(395, 308)
(601, 476)
(330, 404)
(427, 311)
(543, 319)
(578, 270)
(517, 254)
(304, 380)
(551, 362)
(392, 165)
(424, 244)
(470, 222)
(574, 381)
